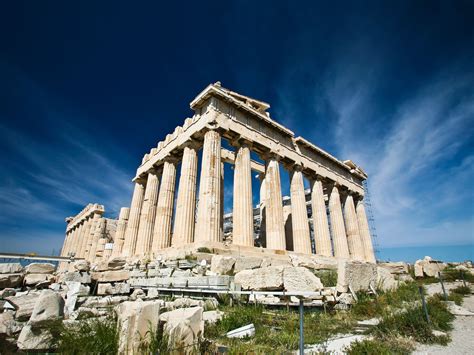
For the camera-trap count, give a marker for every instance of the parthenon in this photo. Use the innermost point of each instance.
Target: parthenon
(328, 219)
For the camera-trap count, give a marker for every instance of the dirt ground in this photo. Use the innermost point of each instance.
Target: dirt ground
(462, 335)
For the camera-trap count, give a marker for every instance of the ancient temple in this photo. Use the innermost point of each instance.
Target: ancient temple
(329, 219)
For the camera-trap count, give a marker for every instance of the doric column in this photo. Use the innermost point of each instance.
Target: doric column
(85, 237)
(148, 215)
(365, 233)
(120, 232)
(352, 228)
(263, 229)
(134, 220)
(275, 229)
(242, 216)
(183, 232)
(164, 208)
(77, 240)
(67, 242)
(90, 237)
(322, 237)
(299, 214)
(339, 238)
(98, 242)
(208, 224)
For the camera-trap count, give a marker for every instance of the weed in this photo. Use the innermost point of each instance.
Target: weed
(327, 277)
(386, 346)
(155, 341)
(453, 274)
(461, 290)
(204, 250)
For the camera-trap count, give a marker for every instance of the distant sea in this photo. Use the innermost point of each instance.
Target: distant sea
(443, 252)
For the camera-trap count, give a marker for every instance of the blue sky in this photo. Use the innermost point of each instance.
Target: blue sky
(87, 88)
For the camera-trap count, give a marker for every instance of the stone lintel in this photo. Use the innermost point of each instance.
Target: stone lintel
(86, 212)
(228, 156)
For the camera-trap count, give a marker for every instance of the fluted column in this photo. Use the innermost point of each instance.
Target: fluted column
(183, 232)
(208, 224)
(354, 241)
(341, 249)
(120, 232)
(322, 237)
(67, 242)
(242, 233)
(99, 232)
(90, 237)
(365, 232)
(85, 237)
(275, 228)
(263, 229)
(164, 208)
(77, 240)
(102, 240)
(134, 220)
(299, 214)
(148, 215)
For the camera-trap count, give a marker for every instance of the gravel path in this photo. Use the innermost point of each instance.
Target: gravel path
(462, 335)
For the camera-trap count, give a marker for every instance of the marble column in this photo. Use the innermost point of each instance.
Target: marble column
(98, 240)
(120, 232)
(77, 240)
(208, 223)
(183, 232)
(164, 208)
(67, 243)
(339, 238)
(299, 214)
(242, 216)
(354, 241)
(322, 238)
(364, 230)
(262, 237)
(148, 215)
(274, 223)
(85, 238)
(133, 222)
(90, 237)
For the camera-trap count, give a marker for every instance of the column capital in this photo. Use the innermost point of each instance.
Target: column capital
(192, 144)
(241, 142)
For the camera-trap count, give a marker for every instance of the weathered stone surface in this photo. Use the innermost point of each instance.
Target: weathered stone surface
(428, 267)
(34, 339)
(211, 317)
(82, 277)
(247, 263)
(10, 280)
(10, 268)
(40, 268)
(385, 280)
(74, 290)
(345, 298)
(300, 279)
(24, 305)
(49, 306)
(418, 268)
(265, 278)
(102, 302)
(35, 279)
(138, 293)
(82, 265)
(184, 303)
(135, 320)
(358, 275)
(458, 310)
(8, 324)
(222, 265)
(116, 289)
(7, 292)
(395, 267)
(184, 327)
(111, 276)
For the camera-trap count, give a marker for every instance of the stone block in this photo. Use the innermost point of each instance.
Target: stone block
(358, 275)
(396, 267)
(34, 339)
(211, 317)
(138, 273)
(48, 307)
(262, 279)
(10, 280)
(300, 279)
(81, 277)
(35, 279)
(116, 289)
(10, 268)
(81, 265)
(24, 305)
(40, 268)
(247, 263)
(385, 280)
(184, 327)
(116, 263)
(135, 320)
(111, 276)
(222, 265)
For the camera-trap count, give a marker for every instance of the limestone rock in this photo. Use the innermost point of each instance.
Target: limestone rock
(221, 264)
(24, 305)
(211, 317)
(10, 280)
(8, 324)
(74, 290)
(265, 278)
(184, 327)
(138, 293)
(7, 292)
(385, 280)
(111, 276)
(81, 277)
(102, 302)
(10, 268)
(82, 265)
(35, 279)
(418, 268)
(40, 268)
(34, 339)
(116, 289)
(135, 320)
(300, 279)
(458, 310)
(395, 267)
(345, 298)
(49, 306)
(428, 267)
(247, 263)
(358, 275)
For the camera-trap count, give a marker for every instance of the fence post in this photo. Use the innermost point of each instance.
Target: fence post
(442, 286)
(301, 326)
(423, 302)
(463, 280)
